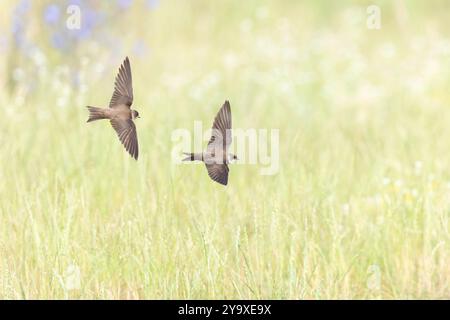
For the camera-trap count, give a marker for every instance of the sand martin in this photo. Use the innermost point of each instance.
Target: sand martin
(216, 156)
(119, 112)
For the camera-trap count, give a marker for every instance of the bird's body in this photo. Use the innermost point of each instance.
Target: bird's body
(119, 112)
(216, 157)
(210, 157)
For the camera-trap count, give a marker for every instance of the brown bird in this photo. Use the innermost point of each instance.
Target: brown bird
(216, 156)
(119, 112)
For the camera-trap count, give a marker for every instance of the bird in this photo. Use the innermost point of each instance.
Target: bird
(119, 112)
(216, 157)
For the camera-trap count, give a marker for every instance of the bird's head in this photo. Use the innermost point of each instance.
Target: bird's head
(135, 114)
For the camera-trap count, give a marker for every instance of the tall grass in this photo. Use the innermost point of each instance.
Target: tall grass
(359, 208)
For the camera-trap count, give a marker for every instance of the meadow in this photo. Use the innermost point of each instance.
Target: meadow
(359, 208)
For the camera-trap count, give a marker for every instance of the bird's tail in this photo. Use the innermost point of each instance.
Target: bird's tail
(96, 113)
(190, 156)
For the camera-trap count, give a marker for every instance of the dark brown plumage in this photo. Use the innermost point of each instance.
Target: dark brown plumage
(216, 156)
(119, 112)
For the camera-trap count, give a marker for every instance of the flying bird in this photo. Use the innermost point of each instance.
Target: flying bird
(216, 156)
(119, 112)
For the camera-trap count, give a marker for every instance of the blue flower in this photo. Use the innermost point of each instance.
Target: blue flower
(52, 14)
(59, 41)
(18, 22)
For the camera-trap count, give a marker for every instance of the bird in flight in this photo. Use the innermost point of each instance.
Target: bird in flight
(119, 112)
(216, 156)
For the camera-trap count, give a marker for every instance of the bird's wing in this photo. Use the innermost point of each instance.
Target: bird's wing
(221, 130)
(123, 87)
(126, 130)
(218, 172)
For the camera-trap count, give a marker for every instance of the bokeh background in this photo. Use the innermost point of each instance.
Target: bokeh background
(359, 209)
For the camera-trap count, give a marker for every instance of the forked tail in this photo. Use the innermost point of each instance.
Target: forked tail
(96, 113)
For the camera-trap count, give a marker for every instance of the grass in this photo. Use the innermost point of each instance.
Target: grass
(359, 208)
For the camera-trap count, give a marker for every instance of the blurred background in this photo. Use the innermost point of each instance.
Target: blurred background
(359, 208)
(39, 51)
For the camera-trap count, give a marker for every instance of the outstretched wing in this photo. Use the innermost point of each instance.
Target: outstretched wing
(123, 87)
(221, 130)
(218, 172)
(126, 130)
